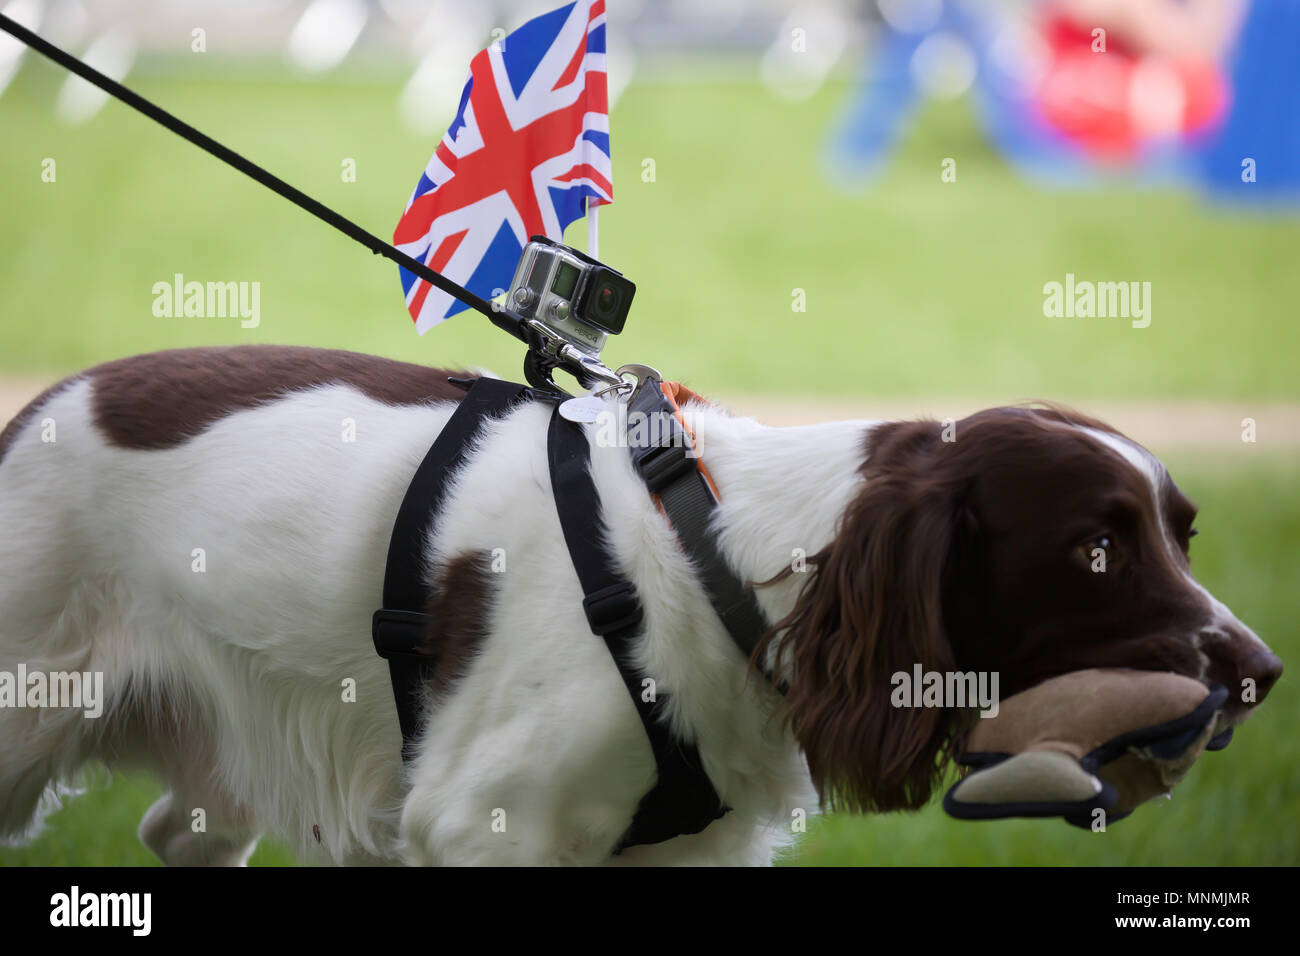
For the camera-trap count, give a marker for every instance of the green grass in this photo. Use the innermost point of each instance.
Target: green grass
(1240, 806)
(913, 287)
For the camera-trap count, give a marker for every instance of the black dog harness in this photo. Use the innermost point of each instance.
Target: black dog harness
(683, 800)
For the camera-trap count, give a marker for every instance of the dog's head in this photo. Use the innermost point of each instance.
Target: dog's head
(1022, 542)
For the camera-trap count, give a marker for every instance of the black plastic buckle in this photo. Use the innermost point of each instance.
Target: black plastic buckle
(661, 465)
(612, 609)
(399, 634)
(673, 456)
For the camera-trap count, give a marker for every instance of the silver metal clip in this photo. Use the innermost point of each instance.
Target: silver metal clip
(642, 374)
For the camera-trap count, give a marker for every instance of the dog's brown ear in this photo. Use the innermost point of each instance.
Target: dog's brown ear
(871, 608)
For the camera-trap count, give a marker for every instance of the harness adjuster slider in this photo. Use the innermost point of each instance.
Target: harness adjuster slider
(399, 634)
(613, 609)
(661, 465)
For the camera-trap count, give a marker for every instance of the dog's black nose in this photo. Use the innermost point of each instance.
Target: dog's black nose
(1263, 667)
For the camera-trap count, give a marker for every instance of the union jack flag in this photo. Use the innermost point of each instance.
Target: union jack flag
(526, 155)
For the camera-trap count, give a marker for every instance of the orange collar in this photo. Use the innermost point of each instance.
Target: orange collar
(678, 395)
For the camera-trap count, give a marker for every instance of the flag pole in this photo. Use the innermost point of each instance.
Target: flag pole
(593, 230)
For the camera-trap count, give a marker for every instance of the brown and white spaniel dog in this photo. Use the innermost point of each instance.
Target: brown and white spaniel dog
(203, 533)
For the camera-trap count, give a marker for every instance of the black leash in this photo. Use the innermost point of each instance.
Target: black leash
(501, 317)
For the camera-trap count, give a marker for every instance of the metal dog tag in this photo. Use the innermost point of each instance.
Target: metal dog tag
(585, 409)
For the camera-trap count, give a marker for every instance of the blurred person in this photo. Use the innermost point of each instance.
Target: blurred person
(1070, 89)
(898, 71)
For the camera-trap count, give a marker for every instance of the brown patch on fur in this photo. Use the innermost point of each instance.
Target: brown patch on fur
(871, 607)
(458, 615)
(163, 399)
(10, 433)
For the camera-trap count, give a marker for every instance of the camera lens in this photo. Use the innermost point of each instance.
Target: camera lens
(607, 301)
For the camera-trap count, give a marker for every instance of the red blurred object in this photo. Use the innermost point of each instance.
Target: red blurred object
(1115, 102)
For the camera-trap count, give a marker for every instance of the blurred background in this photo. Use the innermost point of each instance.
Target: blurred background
(831, 210)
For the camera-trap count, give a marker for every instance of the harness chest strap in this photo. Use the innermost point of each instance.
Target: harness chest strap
(399, 627)
(687, 495)
(683, 800)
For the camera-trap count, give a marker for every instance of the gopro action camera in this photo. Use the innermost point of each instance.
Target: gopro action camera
(577, 300)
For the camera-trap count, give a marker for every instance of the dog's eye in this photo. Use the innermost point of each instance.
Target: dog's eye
(1097, 553)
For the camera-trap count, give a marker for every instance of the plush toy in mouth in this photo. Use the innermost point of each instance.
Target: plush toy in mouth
(1089, 740)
